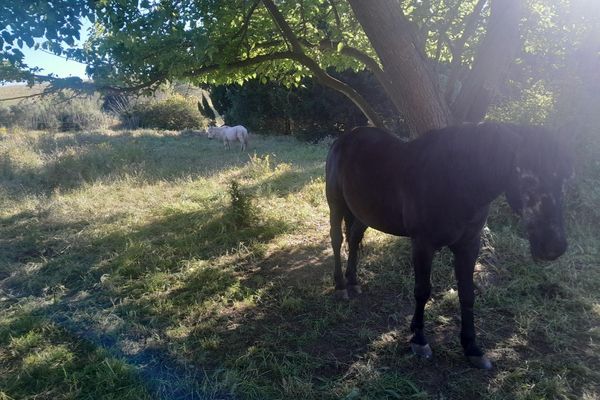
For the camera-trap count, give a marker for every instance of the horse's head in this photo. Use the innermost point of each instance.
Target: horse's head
(211, 132)
(536, 191)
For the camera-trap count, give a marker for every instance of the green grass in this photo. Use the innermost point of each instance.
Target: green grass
(127, 272)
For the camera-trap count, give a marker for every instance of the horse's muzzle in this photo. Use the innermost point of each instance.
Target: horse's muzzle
(549, 251)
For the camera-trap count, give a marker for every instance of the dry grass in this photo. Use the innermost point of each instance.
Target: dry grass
(12, 91)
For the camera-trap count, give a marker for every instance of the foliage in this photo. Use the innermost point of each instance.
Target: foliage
(54, 113)
(239, 41)
(310, 110)
(555, 79)
(23, 22)
(243, 213)
(141, 44)
(174, 112)
(230, 30)
(534, 106)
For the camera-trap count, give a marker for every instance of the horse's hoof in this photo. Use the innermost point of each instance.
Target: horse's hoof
(481, 362)
(341, 294)
(423, 351)
(355, 289)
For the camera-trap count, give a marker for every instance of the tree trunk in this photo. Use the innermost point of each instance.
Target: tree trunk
(412, 85)
(495, 54)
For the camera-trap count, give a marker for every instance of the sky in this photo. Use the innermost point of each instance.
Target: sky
(53, 64)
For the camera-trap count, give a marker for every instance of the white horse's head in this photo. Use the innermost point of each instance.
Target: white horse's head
(215, 131)
(212, 131)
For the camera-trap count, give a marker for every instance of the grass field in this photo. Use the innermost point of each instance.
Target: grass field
(142, 265)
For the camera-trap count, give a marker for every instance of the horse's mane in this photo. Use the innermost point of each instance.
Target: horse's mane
(494, 146)
(543, 150)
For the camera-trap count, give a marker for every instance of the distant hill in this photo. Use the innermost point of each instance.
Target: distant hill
(11, 91)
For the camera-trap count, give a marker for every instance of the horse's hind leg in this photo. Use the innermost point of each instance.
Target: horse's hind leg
(356, 231)
(335, 221)
(422, 255)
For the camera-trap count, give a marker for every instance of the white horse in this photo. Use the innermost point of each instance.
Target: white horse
(229, 134)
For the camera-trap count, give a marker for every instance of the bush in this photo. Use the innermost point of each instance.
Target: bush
(6, 117)
(53, 114)
(242, 211)
(175, 112)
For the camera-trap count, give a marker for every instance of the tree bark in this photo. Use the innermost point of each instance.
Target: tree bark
(411, 83)
(495, 54)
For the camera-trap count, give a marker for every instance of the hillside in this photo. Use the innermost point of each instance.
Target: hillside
(12, 91)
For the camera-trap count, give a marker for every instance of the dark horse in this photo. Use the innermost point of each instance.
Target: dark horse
(437, 190)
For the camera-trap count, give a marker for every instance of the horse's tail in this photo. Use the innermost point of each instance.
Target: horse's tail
(245, 136)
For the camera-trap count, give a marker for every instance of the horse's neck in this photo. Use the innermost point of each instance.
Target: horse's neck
(493, 155)
(474, 165)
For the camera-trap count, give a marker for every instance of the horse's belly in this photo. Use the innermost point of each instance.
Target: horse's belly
(389, 228)
(374, 214)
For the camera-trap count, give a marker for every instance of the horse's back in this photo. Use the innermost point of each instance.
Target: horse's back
(418, 187)
(238, 132)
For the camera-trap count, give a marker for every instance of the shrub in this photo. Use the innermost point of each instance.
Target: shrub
(242, 211)
(53, 114)
(6, 116)
(175, 112)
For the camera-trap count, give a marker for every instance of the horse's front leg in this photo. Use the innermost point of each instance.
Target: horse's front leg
(465, 255)
(422, 254)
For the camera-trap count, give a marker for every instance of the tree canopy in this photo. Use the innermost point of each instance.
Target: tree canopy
(22, 22)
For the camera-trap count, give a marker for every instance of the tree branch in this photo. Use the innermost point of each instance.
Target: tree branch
(336, 15)
(241, 63)
(495, 54)
(28, 96)
(322, 76)
(457, 49)
(370, 63)
(244, 29)
(286, 30)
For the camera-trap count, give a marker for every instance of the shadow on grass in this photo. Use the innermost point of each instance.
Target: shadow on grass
(97, 289)
(42, 360)
(360, 347)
